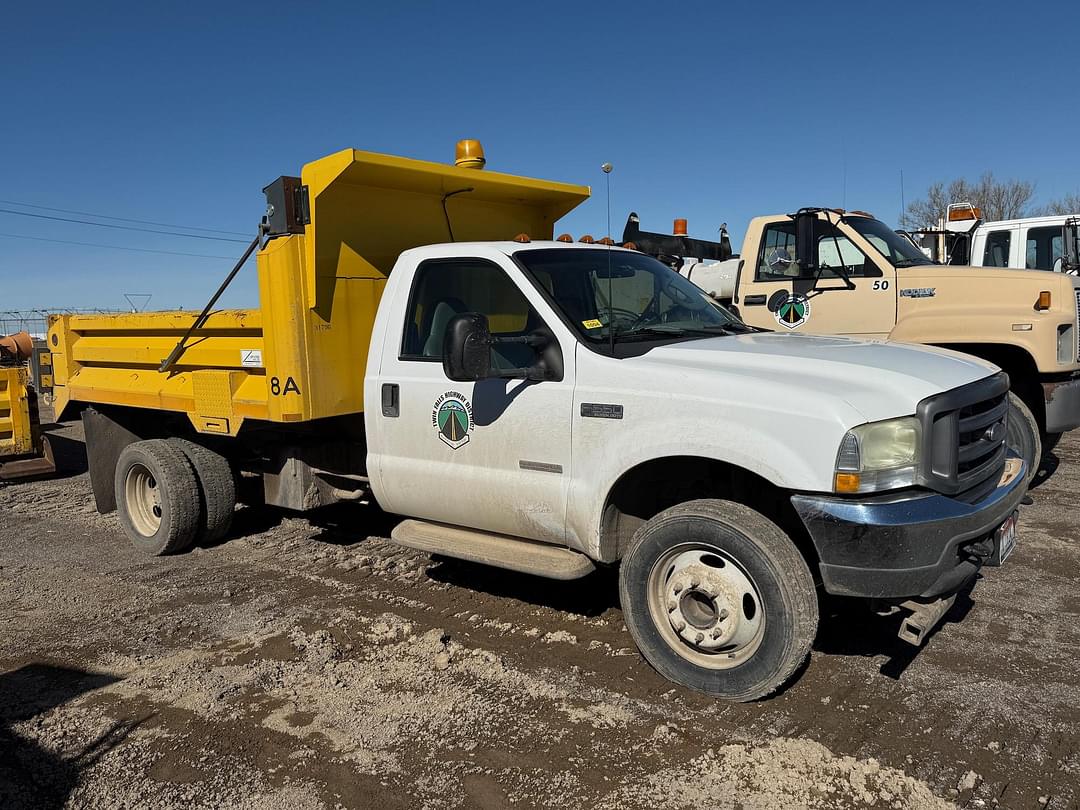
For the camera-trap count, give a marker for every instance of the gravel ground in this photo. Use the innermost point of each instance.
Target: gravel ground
(308, 663)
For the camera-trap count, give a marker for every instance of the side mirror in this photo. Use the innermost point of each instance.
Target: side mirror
(1059, 264)
(467, 348)
(805, 246)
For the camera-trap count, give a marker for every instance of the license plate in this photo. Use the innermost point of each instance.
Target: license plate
(1004, 540)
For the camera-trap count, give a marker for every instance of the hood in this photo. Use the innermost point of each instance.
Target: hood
(932, 271)
(879, 380)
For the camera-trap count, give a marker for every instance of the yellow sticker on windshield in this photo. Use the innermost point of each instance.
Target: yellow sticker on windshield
(592, 323)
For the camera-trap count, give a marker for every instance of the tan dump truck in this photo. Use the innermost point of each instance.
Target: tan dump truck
(828, 271)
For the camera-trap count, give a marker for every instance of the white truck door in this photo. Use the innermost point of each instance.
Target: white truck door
(492, 455)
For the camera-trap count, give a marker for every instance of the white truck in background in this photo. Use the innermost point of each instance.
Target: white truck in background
(1033, 243)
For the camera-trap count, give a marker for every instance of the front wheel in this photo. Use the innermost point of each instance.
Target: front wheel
(1023, 435)
(718, 599)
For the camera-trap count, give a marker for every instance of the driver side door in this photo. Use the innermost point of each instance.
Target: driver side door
(492, 455)
(776, 294)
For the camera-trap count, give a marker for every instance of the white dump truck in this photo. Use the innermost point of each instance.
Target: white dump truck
(551, 407)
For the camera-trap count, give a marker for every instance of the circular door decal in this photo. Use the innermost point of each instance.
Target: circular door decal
(452, 419)
(794, 311)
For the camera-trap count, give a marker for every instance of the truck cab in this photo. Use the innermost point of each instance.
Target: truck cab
(827, 271)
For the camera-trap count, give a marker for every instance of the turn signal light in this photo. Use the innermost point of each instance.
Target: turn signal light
(1043, 303)
(564, 237)
(679, 228)
(847, 482)
(588, 240)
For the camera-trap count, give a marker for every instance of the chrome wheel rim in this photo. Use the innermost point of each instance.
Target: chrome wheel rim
(706, 606)
(143, 500)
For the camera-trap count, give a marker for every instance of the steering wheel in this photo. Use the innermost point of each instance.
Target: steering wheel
(619, 314)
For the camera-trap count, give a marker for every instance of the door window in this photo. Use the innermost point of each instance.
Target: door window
(1043, 247)
(834, 251)
(996, 253)
(445, 288)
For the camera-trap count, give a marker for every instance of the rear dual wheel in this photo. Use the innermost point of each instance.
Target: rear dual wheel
(171, 493)
(719, 599)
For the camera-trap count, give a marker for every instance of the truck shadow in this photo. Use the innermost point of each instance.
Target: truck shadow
(591, 595)
(1047, 467)
(32, 776)
(848, 627)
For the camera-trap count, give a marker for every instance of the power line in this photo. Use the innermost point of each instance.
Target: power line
(119, 219)
(118, 227)
(113, 247)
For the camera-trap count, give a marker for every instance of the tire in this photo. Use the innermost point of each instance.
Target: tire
(157, 497)
(723, 547)
(217, 489)
(1024, 436)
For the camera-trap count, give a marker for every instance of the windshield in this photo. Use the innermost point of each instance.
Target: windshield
(625, 296)
(900, 252)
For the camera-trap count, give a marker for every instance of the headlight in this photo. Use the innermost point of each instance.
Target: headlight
(879, 455)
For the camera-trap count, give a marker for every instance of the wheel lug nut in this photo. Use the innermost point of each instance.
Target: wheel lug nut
(680, 625)
(700, 637)
(694, 582)
(723, 614)
(672, 606)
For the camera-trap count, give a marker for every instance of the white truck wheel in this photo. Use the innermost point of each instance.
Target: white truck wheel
(157, 497)
(718, 599)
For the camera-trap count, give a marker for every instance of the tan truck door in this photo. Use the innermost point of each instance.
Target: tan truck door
(775, 293)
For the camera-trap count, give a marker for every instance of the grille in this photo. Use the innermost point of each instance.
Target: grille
(964, 432)
(1077, 291)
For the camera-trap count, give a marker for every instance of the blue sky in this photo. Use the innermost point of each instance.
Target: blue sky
(180, 113)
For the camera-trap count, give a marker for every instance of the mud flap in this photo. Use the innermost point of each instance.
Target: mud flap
(105, 439)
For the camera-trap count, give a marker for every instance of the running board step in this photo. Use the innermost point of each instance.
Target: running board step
(499, 550)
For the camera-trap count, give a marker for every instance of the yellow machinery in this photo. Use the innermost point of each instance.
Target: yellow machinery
(24, 452)
(335, 234)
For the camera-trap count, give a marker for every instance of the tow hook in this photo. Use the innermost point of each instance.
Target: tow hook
(924, 617)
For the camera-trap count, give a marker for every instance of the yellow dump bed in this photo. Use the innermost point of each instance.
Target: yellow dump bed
(302, 354)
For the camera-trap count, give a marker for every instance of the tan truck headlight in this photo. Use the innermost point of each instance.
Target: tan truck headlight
(879, 455)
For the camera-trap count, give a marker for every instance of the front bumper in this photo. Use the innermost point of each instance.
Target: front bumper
(1062, 404)
(906, 545)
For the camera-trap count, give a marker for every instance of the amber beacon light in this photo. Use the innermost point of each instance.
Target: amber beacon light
(469, 154)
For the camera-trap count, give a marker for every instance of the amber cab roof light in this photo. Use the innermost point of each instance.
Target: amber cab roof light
(679, 228)
(961, 212)
(469, 154)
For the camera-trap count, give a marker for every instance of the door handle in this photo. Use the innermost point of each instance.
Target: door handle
(754, 300)
(391, 400)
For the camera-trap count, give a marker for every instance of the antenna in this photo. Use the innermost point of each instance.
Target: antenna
(903, 205)
(143, 299)
(606, 169)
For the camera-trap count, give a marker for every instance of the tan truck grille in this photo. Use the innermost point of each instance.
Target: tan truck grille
(1077, 291)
